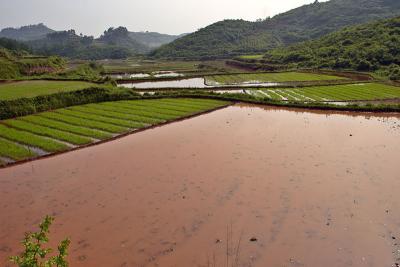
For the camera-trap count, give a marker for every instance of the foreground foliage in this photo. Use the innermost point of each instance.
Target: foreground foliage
(35, 255)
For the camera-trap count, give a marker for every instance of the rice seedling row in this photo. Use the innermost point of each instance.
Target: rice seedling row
(111, 128)
(49, 132)
(30, 139)
(20, 138)
(370, 91)
(118, 115)
(14, 151)
(103, 119)
(269, 77)
(54, 124)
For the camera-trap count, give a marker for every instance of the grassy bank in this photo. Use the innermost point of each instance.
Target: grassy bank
(28, 89)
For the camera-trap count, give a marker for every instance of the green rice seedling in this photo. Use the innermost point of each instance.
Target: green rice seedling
(49, 132)
(14, 151)
(66, 127)
(94, 117)
(30, 139)
(135, 111)
(117, 115)
(111, 128)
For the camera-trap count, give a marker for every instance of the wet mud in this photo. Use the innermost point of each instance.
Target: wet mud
(242, 186)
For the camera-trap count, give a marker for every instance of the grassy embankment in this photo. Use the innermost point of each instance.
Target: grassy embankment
(29, 89)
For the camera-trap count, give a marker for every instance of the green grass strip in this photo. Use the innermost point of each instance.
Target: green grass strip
(137, 110)
(66, 127)
(31, 139)
(117, 115)
(99, 118)
(14, 151)
(49, 132)
(111, 128)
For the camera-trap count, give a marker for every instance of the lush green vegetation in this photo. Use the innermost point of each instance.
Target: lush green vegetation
(27, 106)
(75, 125)
(16, 63)
(35, 255)
(58, 125)
(367, 91)
(237, 37)
(30, 139)
(115, 113)
(49, 132)
(14, 151)
(84, 122)
(368, 47)
(268, 77)
(26, 33)
(29, 89)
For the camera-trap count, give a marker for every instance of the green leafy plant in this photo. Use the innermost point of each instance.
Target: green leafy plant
(35, 255)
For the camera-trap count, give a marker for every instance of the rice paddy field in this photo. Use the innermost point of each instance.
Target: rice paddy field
(269, 77)
(28, 89)
(64, 129)
(349, 92)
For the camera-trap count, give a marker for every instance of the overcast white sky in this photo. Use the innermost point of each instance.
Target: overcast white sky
(92, 17)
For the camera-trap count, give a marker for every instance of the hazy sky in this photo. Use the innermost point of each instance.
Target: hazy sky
(92, 17)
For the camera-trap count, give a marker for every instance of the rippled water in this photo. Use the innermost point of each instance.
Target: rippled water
(308, 188)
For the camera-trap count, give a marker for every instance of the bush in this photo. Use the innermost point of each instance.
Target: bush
(394, 72)
(35, 255)
(26, 106)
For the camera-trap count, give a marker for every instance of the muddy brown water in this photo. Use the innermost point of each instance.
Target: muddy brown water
(309, 188)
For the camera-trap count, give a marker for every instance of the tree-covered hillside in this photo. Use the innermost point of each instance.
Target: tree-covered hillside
(26, 33)
(368, 47)
(114, 44)
(234, 37)
(153, 39)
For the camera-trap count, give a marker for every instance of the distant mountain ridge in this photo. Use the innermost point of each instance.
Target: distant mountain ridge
(235, 37)
(114, 43)
(153, 39)
(26, 33)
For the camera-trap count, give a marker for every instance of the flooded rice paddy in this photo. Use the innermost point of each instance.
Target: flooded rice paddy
(189, 83)
(242, 186)
(156, 74)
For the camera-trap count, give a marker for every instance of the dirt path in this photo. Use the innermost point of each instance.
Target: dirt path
(314, 189)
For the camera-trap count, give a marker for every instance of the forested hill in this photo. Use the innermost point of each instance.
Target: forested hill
(26, 33)
(113, 43)
(234, 37)
(368, 47)
(153, 39)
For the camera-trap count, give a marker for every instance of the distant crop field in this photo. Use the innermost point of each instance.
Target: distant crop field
(268, 77)
(368, 91)
(63, 129)
(28, 89)
(251, 56)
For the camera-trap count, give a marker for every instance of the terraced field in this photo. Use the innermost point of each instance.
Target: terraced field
(14, 90)
(63, 129)
(268, 77)
(368, 91)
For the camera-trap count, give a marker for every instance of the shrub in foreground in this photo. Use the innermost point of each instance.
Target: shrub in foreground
(35, 255)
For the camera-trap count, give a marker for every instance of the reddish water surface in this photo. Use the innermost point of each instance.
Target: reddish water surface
(313, 189)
